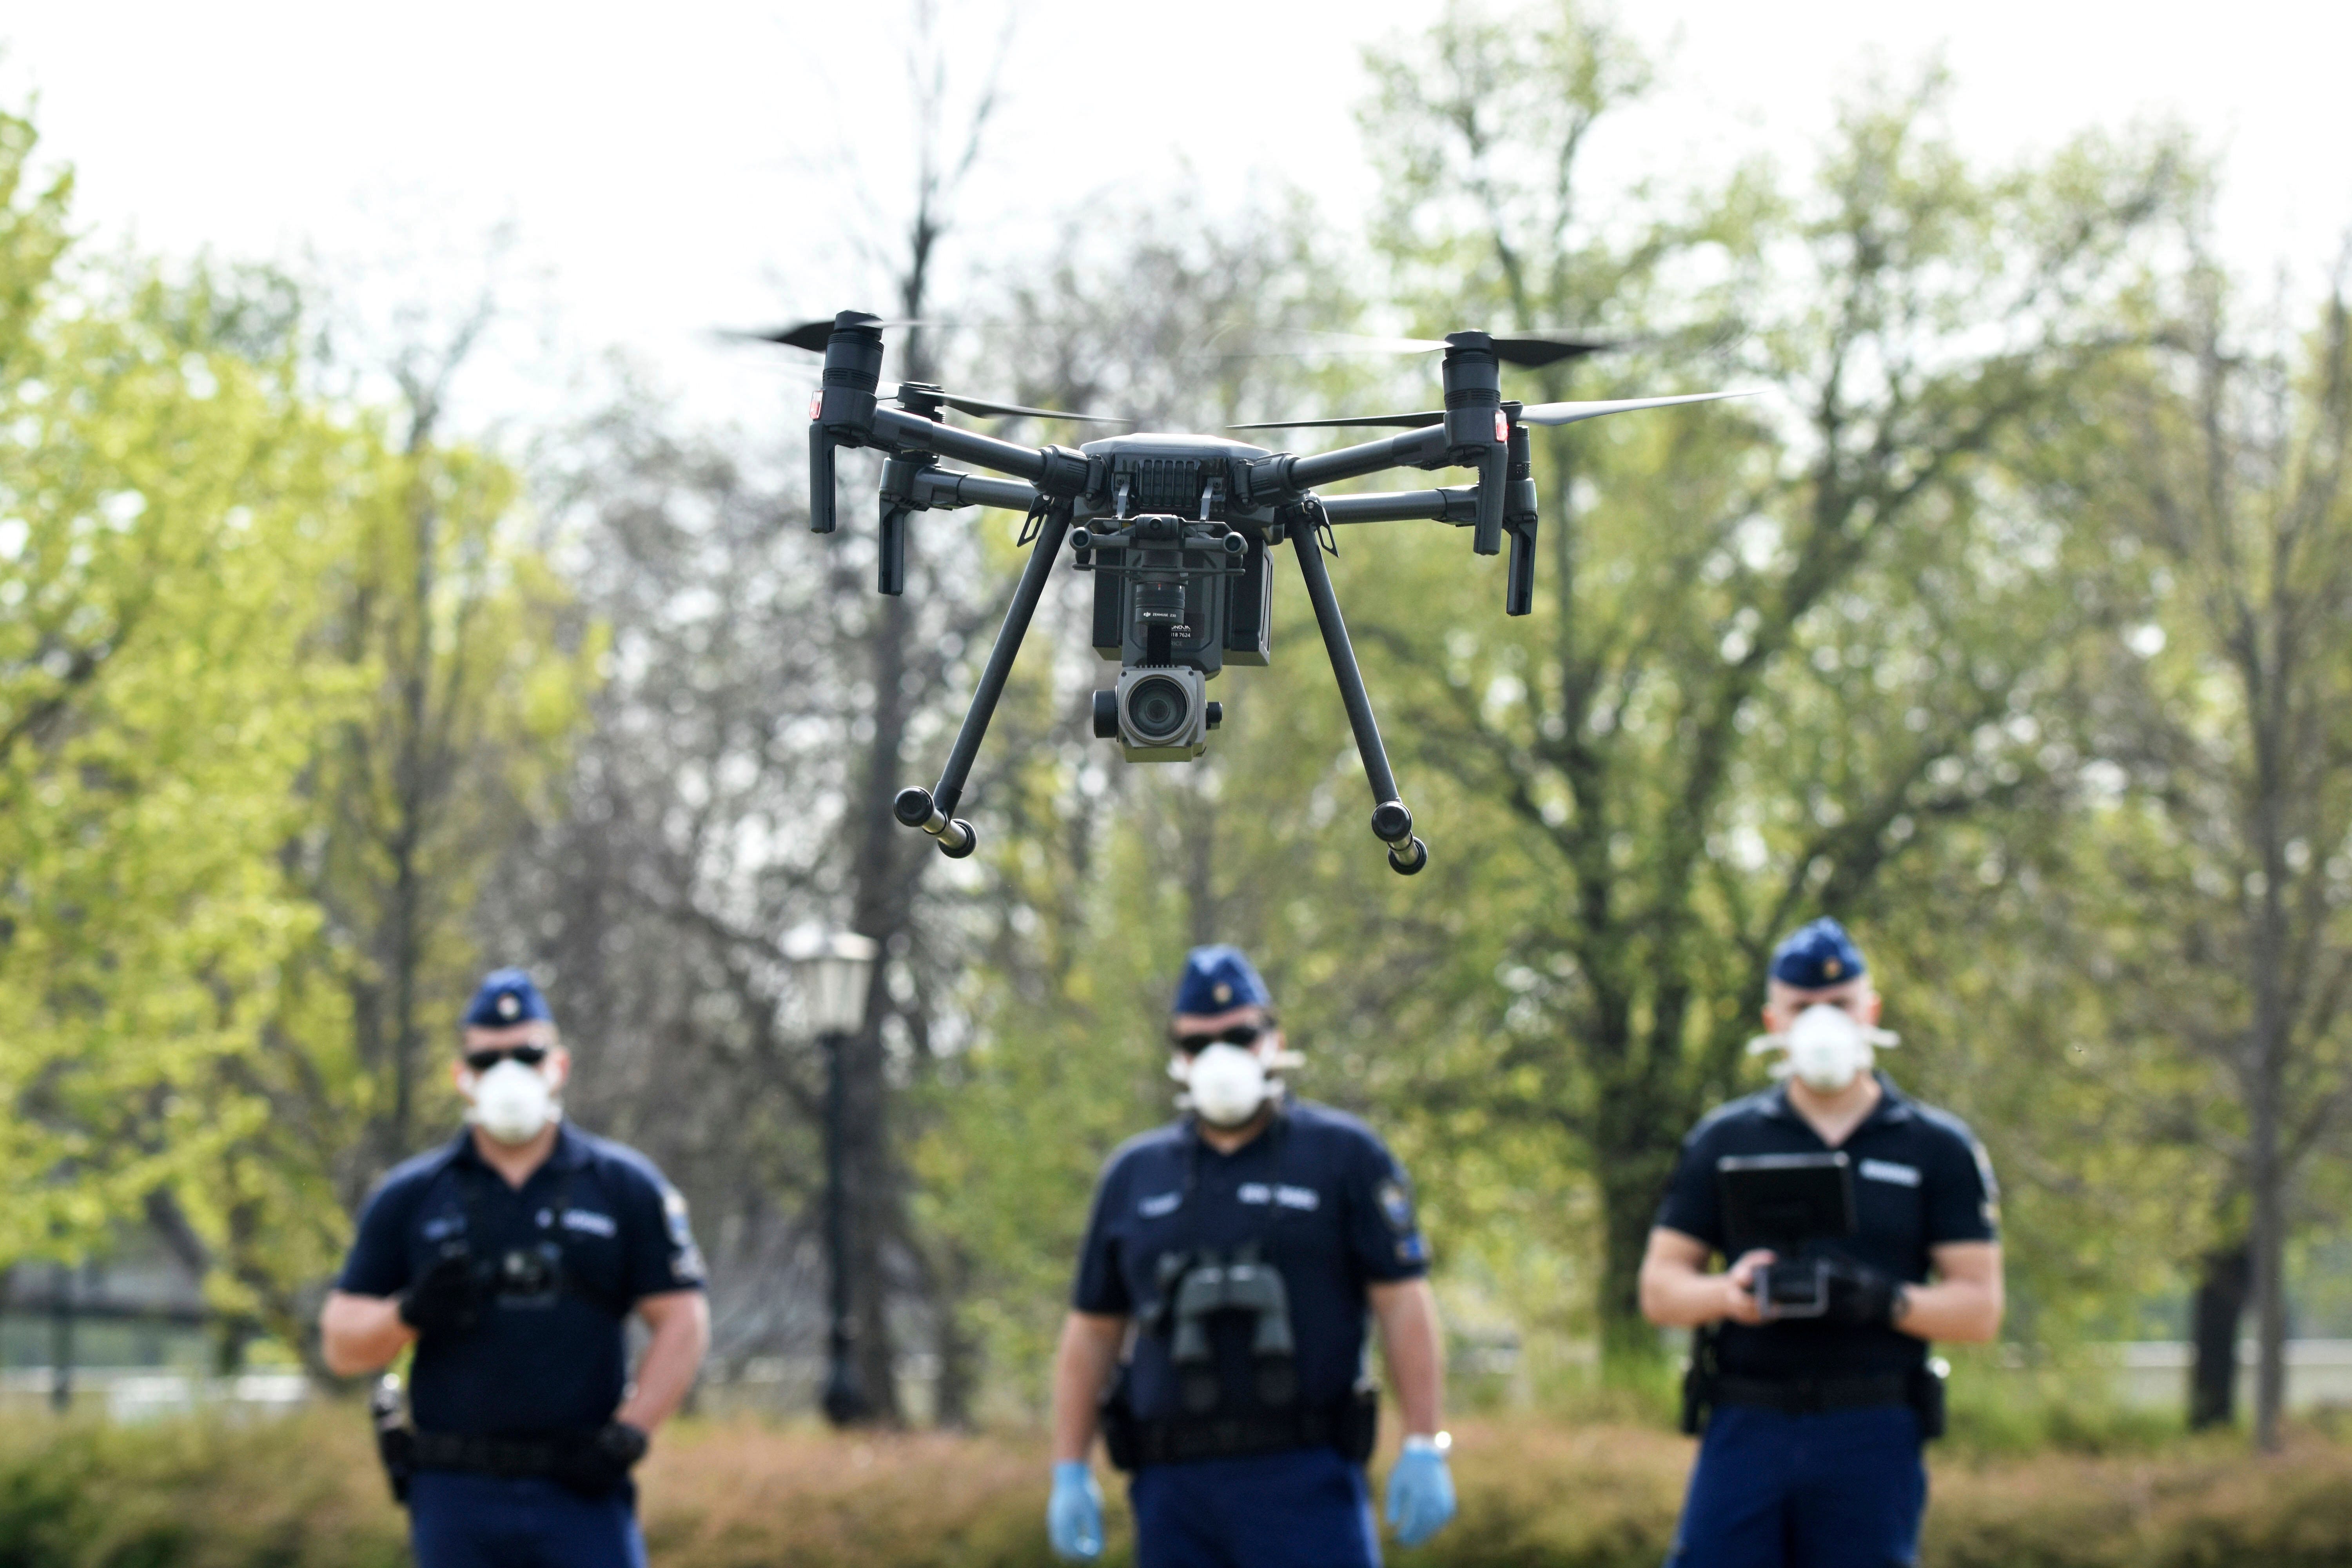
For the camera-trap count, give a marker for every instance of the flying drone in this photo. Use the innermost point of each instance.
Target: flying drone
(1179, 531)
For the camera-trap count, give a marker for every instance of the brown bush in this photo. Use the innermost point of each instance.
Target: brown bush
(305, 1493)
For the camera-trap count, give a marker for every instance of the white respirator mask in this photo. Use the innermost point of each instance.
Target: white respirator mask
(1225, 1084)
(513, 1103)
(1827, 1048)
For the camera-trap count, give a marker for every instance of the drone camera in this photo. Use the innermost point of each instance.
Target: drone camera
(1158, 603)
(1159, 713)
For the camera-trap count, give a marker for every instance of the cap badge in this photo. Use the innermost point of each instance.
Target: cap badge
(507, 1006)
(1224, 993)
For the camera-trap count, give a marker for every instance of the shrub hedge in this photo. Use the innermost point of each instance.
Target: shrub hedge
(304, 1492)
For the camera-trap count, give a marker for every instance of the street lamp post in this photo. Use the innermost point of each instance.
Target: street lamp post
(833, 968)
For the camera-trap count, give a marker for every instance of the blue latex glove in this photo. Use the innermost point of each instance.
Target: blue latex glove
(1073, 1513)
(1420, 1492)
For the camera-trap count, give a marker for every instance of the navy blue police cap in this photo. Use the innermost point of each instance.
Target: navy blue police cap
(506, 997)
(1218, 979)
(1818, 956)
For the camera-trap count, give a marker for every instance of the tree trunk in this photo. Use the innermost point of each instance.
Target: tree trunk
(2223, 1289)
(884, 896)
(2269, 1242)
(1635, 1138)
(2268, 1048)
(958, 1348)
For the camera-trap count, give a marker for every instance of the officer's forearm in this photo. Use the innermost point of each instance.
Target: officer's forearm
(361, 1334)
(1965, 1301)
(1082, 1370)
(1407, 1312)
(681, 1334)
(1677, 1295)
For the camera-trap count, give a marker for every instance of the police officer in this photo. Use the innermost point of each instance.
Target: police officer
(510, 1257)
(1232, 1257)
(1811, 1454)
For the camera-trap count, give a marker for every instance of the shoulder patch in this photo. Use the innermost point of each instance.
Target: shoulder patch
(1396, 1207)
(674, 1215)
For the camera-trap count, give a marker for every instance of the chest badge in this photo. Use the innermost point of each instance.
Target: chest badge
(1888, 1171)
(1160, 1205)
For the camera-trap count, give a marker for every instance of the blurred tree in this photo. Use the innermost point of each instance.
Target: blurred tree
(169, 504)
(765, 706)
(2223, 721)
(1762, 672)
(465, 665)
(481, 666)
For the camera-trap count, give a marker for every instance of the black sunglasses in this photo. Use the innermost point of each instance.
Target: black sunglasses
(1234, 1035)
(484, 1061)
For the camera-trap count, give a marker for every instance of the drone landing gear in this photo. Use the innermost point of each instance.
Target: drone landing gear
(1391, 823)
(934, 810)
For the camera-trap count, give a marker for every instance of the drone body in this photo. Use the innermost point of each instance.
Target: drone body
(1181, 532)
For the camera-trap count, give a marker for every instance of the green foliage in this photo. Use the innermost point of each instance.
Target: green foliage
(1775, 660)
(238, 631)
(168, 503)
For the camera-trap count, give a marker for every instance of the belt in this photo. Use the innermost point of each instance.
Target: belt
(1796, 1395)
(543, 1454)
(1175, 1439)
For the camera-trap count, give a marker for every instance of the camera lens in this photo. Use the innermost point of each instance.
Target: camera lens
(1158, 707)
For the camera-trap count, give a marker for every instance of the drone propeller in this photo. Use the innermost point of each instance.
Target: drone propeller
(810, 335)
(1570, 413)
(1532, 414)
(919, 396)
(1529, 350)
(923, 398)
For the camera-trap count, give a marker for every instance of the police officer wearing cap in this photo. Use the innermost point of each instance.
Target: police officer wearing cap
(1218, 1322)
(1813, 1424)
(510, 1258)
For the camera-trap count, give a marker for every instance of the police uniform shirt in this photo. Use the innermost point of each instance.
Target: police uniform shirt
(1326, 1202)
(540, 1363)
(1920, 1180)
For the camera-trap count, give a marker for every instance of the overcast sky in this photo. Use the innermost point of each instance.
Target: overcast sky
(667, 168)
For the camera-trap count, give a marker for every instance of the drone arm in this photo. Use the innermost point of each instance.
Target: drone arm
(912, 431)
(1391, 823)
(1054, 469)
(934, 810)
(1414, 448)
(938, 488)
(1456, 506)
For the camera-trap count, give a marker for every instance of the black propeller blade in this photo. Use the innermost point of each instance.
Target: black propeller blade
(1389, 421)
(923, 398)
(919, 396)
(810, 335)
(1530, 351)
(1570, 413)
(1533, 414)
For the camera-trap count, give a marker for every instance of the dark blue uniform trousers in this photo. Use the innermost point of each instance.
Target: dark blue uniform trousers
(1308, 1509)
(1836, 1488)
(459, 1520)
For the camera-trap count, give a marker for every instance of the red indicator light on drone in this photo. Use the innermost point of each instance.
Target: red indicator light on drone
(816, 405)
(1502, 426)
